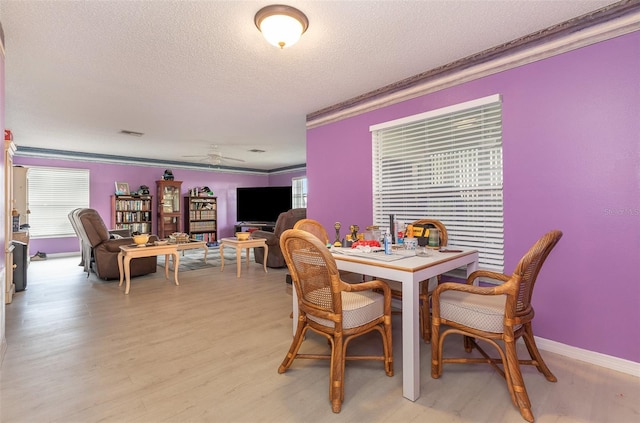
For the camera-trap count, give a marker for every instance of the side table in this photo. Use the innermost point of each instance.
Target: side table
(239, 245)
(128, 252)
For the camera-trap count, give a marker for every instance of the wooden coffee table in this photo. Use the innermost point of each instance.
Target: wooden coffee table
(192, 244)
(239, 245)
(128, 252)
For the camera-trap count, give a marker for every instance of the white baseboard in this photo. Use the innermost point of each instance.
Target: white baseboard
(60, 255)
(614, 363)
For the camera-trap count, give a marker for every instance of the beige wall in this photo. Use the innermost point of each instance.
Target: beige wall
(3, 340)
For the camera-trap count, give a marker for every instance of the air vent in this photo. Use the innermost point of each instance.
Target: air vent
(255, 150)
(132, 133)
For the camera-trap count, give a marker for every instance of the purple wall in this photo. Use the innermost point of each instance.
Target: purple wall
(284, 179)
(102, 187)
(571, 138)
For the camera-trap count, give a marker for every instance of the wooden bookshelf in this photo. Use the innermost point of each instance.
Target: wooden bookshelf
(132, 213)
(201, 218)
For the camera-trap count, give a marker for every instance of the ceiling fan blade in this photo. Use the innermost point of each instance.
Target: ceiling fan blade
(231, 158)
(213, 157)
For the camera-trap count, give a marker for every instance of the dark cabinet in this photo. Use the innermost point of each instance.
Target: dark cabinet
(169, 213)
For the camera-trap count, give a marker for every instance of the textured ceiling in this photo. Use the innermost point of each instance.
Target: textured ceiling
(192, 74)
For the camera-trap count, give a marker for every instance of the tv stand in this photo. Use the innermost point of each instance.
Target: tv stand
(253, 226)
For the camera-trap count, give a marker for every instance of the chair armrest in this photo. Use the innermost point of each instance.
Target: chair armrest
(372, 285)
(454, 286)
(487, 274)
(508, 287)
(271, 238)
(124, 233)
(113, 245)
(368, 286)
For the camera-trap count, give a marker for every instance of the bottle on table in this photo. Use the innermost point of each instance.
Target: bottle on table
(387, 242)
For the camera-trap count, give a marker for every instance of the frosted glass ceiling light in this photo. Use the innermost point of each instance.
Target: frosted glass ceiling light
(281, 25)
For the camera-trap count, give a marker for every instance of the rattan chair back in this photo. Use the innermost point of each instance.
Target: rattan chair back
(444, 237)
(314, 227)
(314, 274)
(528, 268)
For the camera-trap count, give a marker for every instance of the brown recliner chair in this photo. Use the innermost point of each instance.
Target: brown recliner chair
(285, 221)
(102, 256)
(85, 248)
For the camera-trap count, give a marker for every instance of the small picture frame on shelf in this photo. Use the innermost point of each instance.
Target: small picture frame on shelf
(122, 188)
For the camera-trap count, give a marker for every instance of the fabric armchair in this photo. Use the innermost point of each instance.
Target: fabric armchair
(285, 221)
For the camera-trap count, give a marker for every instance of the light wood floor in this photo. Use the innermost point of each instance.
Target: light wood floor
(79, 350)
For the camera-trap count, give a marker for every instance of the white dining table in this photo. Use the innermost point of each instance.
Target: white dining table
(410, 271)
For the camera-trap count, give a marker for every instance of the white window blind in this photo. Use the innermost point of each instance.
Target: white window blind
(447, 165)
(299, 190)
(52, 194)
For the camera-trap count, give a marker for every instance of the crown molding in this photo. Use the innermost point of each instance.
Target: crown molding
(603, 24)
(45, 153)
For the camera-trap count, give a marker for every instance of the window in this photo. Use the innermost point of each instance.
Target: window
(299, 192)
(447, 165)
(52, 194)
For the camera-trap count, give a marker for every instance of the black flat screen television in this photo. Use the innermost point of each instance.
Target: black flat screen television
(262, 204)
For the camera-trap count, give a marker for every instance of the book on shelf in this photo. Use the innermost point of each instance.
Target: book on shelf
(206, 237)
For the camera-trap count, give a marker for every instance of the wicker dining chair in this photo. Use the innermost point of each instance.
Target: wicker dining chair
(498, 313)
(334, 309)
(426, 287)
(316, 228)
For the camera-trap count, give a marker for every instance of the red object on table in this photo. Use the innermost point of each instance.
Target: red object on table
(365, 242)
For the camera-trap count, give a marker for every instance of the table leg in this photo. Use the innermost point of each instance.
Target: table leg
(238, 260)
(127, 274)
(221, 257)
(472, 267)
(410, 339)
(246, 253)
(166, 265)
(176, 264)
(120, 267)
(206, 251)
(266, 254)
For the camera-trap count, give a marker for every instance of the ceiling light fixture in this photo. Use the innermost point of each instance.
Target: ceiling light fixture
(281, 25)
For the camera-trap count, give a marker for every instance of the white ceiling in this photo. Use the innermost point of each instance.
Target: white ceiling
(192, 74)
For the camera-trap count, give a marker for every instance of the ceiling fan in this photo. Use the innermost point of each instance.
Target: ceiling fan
(214, 157)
